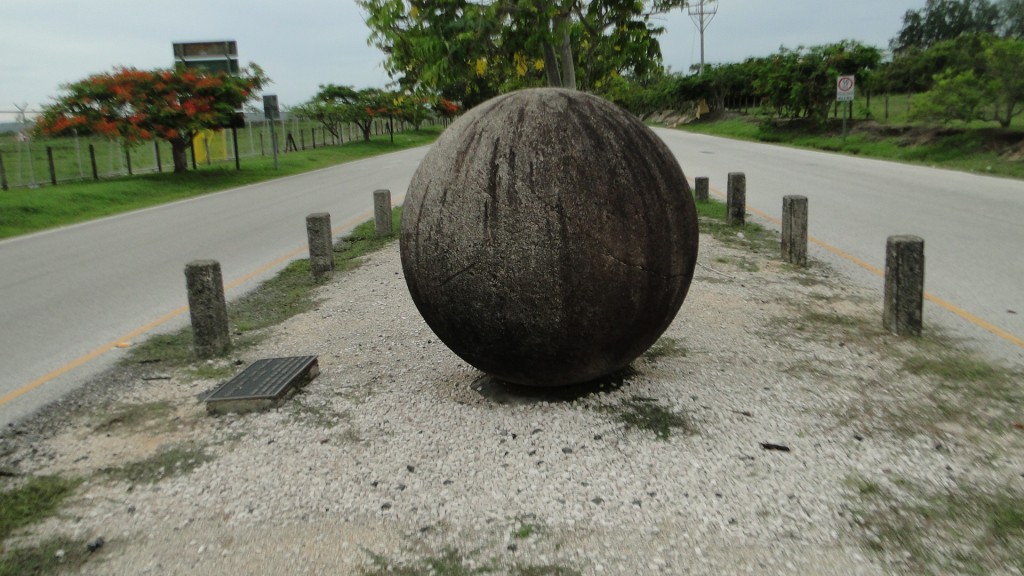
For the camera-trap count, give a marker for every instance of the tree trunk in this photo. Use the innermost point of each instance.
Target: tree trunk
(568, 63)
(551, 66)
(366, 129)
(179, 147)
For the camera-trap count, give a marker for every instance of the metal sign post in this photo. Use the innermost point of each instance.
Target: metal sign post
(845, 87)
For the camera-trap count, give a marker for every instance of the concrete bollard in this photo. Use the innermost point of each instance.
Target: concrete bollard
(701, 185)
(736, 199)
(382, 212)
(904, 285)
(794, 230)
(207, 308)
(321, 249)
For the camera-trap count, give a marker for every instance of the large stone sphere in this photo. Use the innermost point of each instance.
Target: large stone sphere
(548, 237)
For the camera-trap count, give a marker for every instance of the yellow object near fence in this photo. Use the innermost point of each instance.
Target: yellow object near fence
(210, 145)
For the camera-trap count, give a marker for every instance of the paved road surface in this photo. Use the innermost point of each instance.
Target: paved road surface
(971, 224)
(72, 294)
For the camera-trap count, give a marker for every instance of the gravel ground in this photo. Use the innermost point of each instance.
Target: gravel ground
(787, 402)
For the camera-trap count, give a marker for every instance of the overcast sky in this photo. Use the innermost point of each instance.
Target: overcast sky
(304, 43)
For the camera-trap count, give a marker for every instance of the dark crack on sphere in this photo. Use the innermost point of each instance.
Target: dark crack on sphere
(548, 238)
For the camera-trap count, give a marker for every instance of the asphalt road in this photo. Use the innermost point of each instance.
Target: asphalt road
(972, 225)
(68, 297)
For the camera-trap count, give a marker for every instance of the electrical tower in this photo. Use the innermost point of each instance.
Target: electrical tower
(702, 12)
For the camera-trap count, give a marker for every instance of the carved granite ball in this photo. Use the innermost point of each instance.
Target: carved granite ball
(548, 238)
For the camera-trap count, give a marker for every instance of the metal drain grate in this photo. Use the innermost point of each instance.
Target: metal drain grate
(263, 384)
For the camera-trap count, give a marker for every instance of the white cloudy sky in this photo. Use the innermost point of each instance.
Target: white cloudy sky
(304, 43)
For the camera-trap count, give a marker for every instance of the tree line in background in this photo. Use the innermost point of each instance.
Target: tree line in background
(964, 59)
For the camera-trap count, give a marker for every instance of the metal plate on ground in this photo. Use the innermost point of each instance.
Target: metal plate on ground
(263, 384)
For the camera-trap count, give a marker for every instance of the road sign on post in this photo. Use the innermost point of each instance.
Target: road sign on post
(845, 88)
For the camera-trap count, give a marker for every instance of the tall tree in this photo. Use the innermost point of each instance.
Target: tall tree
(945, 20)
(482, 48)
(137, 105)
(335, 105)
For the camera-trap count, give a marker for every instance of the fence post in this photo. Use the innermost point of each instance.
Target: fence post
(207, 308)
(3, 174)
(49, 162)
(262, 150)
(92, 162)
(234, 144)
(794, 230)
(321, 252)
(312, 132)
(382, 212)
(736, 200)
(904, 285)
(701, 185)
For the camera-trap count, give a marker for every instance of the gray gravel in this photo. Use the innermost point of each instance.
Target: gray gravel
(400, 450)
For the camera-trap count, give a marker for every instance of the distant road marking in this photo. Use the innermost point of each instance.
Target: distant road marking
(167, 317)
(980, 323)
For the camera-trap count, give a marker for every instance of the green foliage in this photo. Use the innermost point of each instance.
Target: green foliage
(469, 52)
(955, 96)
(32, 501)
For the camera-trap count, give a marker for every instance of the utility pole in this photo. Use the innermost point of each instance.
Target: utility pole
(702, 12)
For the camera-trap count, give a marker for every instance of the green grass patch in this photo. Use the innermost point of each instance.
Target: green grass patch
(965, 530)
(166, 463)
(711, 220)
(52, 556)
(25, 210)
(978, 147)
(32, 501)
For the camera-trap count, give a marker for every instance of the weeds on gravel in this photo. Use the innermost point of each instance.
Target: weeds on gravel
(665, 347)
(53, 556)
(711, 220)
(964, 531)
(134, 416)
(452, 562)
(641, 413)
(166, 463)
(287, 294)
(32, 501)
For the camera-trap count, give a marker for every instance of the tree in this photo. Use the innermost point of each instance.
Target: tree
(945, 20)
(139, 105)
(801, 83)
(334, 105)
(470, 51)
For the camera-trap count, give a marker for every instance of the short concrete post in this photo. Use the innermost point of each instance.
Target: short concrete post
(794, 230)
(701, 184)
(736, 199)
(382, 212)
(904, 285)
(321, 252)
(207, 308)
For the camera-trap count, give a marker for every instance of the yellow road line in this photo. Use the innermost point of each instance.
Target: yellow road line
(162, 320)
(980, 323)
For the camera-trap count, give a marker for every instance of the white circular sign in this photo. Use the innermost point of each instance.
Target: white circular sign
(845, 83)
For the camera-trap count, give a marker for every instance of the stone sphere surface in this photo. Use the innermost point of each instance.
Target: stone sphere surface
(548, 238)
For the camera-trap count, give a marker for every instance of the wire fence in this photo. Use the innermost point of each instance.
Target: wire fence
(27, 162)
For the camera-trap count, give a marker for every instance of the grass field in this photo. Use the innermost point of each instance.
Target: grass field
(980, 147)
(25, 210)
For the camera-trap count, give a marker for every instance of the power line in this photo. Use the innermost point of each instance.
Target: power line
(702, 13)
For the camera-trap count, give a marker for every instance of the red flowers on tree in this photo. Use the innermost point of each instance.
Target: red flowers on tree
(137, 105)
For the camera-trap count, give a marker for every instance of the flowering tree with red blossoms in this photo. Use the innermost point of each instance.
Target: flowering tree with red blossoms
(139, 105)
